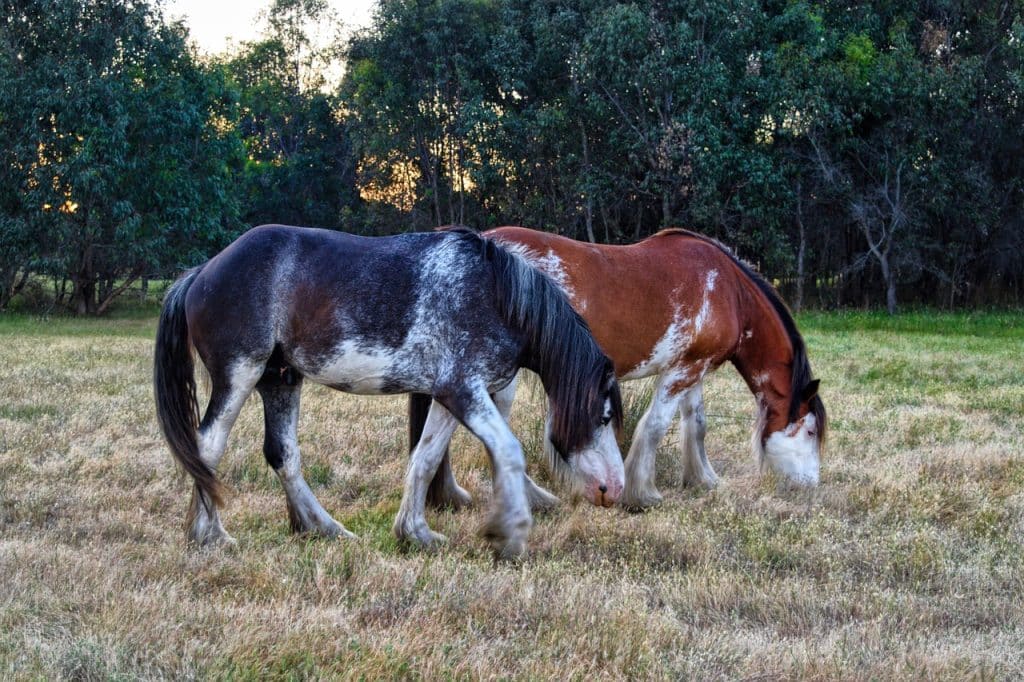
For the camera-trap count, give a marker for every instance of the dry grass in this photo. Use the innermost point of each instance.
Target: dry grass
(905, 563)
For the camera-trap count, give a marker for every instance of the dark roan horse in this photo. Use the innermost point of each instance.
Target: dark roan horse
(451, 314)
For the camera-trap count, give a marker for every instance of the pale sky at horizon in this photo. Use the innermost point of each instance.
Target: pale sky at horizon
(216, 25)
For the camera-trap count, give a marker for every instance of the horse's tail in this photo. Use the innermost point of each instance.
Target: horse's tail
(419, 408)
(174, 386)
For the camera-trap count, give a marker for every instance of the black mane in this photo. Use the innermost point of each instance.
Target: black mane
(576, 374)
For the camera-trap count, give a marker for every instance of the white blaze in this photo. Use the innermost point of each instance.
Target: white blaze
(795, 457)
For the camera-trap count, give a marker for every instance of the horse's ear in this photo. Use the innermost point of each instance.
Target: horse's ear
(810, 390)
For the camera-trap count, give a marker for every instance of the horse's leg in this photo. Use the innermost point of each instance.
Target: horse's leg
(697, 469)
(509, 524)
(539, 498)
(444, 492)
(281, 449)
(640, 492)
(228, 391)
(410, 523)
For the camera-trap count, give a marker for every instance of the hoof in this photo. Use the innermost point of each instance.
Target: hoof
(640, 501)
(305, 521)
(213, 537)
(510, 551)
(418, 536)
(507, 540)
(333, 531)
(324, 530)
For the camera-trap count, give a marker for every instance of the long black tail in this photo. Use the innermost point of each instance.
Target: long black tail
(174, 386)
(419, 407)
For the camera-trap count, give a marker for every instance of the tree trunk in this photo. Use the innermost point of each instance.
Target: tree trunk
(462, 183)
(890, 283)
(798, 300)
(606, 219)
(590, 220)
(437, 194)
(84, 296)
(115, 292)
(586, 171)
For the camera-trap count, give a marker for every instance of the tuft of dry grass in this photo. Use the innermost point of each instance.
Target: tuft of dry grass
(905, 563)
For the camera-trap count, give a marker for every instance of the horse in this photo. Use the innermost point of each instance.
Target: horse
(675, 306)
(450, 314)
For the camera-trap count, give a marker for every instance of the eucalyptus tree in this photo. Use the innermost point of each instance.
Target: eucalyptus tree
(421, 98)
(299, 165)
(118, 157)
(871, 152)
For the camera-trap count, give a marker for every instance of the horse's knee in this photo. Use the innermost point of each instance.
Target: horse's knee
(273, 450)
(700, 423)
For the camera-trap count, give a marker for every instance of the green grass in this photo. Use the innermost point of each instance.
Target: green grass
(905, 563)
(1003, 324)
(139, 324)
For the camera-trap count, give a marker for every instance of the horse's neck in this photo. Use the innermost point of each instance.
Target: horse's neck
(764, 359)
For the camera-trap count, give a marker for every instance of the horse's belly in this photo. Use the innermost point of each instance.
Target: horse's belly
(358, 369)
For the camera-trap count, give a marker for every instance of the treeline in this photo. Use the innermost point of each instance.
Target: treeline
(859, 154)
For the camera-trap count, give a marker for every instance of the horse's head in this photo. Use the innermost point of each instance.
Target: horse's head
(794, 452)
(592, 464)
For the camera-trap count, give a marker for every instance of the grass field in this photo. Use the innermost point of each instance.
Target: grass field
(905, 563)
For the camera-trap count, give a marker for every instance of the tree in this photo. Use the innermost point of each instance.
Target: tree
(122, 163)
(300, 167)
(421, 92)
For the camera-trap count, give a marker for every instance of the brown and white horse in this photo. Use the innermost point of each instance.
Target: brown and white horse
(676, 306)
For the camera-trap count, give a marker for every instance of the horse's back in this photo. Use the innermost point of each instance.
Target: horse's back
(363, 314)
(668, 299)
(295, 285)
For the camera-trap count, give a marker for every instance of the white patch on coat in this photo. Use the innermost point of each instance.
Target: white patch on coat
(705, 307)
(650, 431)
(410, 522)
(675, 339)
(679, 334)
(212, 439)
(550, 264)
(600, 464)
(795, 457)
(361, 369)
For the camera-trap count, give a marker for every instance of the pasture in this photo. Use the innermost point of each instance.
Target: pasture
(906, 562)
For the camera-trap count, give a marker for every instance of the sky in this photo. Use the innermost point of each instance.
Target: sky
(217, 24)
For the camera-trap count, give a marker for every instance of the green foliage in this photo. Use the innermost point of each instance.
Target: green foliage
(115, 161)
(299, 168)
(858, 154)
(860, 54)
(868, 153)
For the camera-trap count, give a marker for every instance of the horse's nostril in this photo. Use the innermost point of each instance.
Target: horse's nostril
(603, 488)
